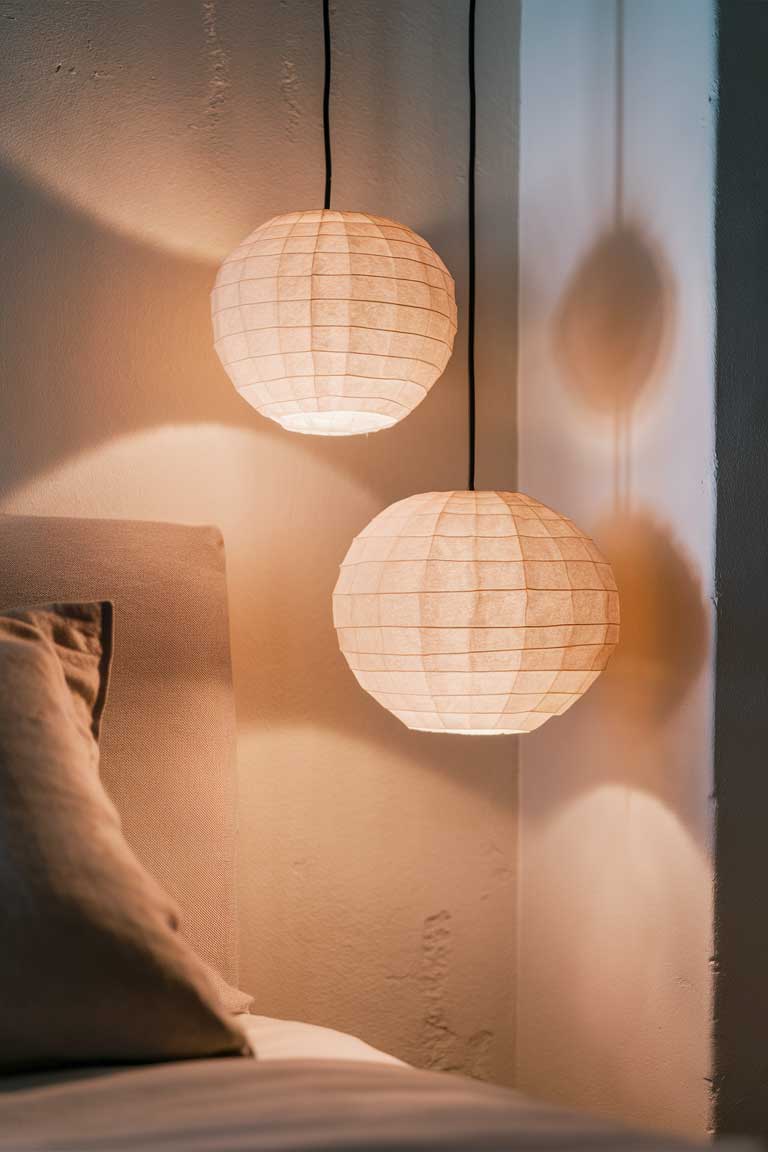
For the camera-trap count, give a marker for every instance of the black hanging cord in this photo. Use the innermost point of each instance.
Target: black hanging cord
(618, 142)
(471, 244)
(327, 102)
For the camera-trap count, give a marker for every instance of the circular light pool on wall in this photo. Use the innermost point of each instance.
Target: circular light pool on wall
(333, 323)
(475, 612)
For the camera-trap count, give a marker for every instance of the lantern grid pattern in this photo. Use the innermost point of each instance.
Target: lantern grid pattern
(475, 612)
(334, 323)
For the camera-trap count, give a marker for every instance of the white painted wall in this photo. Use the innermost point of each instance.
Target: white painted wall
(616, 403)
(139, 142)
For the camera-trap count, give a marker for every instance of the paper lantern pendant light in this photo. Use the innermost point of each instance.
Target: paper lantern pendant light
(333, 323)
(475, 612)
(482, 613)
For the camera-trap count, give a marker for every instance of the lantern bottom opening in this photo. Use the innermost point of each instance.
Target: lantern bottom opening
(473, 731)
(341, 423)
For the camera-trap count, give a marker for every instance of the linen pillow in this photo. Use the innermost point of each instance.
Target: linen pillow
(232, 1000)
(92, 966)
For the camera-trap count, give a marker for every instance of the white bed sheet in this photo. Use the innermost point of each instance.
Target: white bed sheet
(292, 1040)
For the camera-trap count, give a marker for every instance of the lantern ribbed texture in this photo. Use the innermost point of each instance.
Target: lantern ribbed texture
(475, 612)
(334, 323)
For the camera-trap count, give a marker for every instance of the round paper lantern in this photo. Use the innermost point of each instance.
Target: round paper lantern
(475, 612)
(333, 323)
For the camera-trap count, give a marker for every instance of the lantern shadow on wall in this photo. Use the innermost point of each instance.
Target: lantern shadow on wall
(612, 338)
(613, 328)
(664, 618)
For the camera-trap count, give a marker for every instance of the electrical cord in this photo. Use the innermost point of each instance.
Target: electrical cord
(327, 103)
(471, 240)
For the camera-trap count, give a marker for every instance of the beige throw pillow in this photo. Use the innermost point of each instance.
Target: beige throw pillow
(92, 966)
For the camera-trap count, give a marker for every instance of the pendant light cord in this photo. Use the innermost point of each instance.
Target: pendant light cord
(327, 102)
(471, 241)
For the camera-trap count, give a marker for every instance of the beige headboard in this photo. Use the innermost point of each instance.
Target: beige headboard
(168, 736)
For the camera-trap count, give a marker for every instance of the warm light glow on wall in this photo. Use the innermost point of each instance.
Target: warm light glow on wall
(475, 612)
(334, 323)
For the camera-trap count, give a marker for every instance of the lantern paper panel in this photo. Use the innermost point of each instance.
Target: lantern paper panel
(334, 323)
(475, 612)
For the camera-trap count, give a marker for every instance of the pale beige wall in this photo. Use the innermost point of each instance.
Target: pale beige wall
(616, 404)
(139, 142)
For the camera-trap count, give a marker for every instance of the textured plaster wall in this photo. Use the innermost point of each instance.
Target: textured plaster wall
(138, 143)
(616, 406)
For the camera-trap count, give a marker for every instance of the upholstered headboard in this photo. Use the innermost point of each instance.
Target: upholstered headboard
(168, 735)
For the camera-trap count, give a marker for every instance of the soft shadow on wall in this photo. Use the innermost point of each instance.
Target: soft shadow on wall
(614, 323)
(612, 340)
(612, 336)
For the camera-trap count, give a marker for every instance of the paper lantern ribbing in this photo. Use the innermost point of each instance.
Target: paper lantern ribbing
(333, 323)
(475, 612)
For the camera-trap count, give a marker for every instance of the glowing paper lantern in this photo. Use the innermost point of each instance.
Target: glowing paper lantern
(475, 612)
(334, 323)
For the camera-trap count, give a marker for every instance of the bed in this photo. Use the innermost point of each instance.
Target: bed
(308, 1088)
